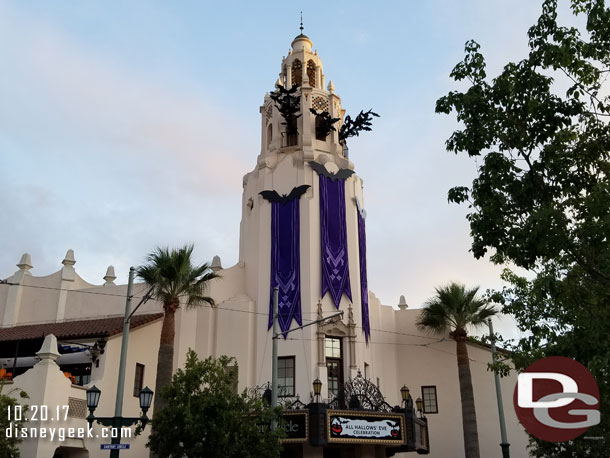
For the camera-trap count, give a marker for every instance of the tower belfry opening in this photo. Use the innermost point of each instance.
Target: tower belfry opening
(308, 130)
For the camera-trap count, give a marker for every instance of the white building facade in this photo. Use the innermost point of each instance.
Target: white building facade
(83, 317)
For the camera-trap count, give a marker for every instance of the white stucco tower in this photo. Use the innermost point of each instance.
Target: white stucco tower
(283, 164)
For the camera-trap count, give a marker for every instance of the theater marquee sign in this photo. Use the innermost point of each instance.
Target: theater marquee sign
(365, 428)
(296, 424)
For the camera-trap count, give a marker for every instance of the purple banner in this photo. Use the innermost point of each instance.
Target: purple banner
(364, 287)
(285, 263)
(335, 268)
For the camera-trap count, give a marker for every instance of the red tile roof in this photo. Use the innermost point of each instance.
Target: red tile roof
(76, 329)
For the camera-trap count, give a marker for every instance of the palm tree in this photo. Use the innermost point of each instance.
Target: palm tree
(173, 279)
(453, 309)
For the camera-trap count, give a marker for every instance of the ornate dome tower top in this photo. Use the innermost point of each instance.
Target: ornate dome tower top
(301, 43)
(313, 126)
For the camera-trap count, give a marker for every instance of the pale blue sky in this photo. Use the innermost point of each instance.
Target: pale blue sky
(127, 125)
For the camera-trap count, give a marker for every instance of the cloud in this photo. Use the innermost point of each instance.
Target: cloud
(70, 97)
(108, 159)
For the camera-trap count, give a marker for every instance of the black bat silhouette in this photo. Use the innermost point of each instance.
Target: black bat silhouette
(273, 196)
(342, 174)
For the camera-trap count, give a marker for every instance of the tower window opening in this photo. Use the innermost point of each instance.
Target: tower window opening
(292, 133)
(297, 73)
(311, 73)
(320, 134)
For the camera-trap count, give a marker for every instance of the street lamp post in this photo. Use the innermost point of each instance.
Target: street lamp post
(146, 394)
(117, 422)
(504, 444)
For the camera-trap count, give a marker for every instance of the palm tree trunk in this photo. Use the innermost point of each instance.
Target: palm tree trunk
(165, 358)
(469, 415)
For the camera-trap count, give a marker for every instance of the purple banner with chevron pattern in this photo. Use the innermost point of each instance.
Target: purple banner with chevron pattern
(364, 287)
(335, 268)
(285, 263)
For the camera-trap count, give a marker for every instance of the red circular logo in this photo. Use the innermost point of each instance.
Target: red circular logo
(556, 399)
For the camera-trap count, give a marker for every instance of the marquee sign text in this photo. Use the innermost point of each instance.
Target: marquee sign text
(366, 428)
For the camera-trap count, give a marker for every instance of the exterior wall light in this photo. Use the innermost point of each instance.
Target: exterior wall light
(317, 388)
(404, 392)
(420, 406)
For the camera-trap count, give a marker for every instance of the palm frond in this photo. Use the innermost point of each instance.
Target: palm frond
(173, 278)
(454, 307)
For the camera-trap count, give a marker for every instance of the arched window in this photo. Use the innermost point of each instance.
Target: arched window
(311, 73)
(269, 134)
(333, 351)
(297, 73)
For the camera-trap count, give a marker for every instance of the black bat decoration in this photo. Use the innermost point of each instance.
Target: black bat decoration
(273, 196)
(342, 174)
(353, 127)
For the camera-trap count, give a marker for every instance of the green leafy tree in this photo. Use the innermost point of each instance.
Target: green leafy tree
(9, 446)
(541, 136)
(205, 417)
(453, 310)
(173, 280)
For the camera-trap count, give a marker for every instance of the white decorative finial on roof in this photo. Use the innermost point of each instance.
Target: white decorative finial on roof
(110, 277)
(67, 272)
(69, 259)
(48, 352)
(402, 303)
(25, 263)
(330, 87)
(216, 264)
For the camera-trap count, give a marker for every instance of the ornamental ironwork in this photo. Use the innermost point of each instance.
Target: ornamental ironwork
(286, 401)
(359, 393)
